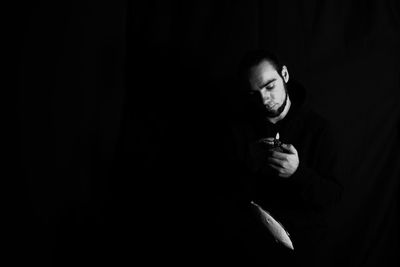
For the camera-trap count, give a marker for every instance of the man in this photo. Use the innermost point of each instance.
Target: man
(295, 183)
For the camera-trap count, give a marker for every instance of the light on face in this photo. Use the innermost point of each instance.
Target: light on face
(265, 93)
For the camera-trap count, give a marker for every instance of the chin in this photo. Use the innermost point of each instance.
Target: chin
(273, 113)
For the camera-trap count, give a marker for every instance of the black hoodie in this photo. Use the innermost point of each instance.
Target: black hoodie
(300, 201)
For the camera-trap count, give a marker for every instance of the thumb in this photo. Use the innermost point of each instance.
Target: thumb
(289, 148)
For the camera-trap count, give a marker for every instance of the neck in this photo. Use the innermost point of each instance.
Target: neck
(283, 114)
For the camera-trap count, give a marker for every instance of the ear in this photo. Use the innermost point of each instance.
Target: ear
(285, 73)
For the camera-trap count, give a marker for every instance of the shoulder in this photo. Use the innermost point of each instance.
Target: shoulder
(316, 118)
(310, 116)
(314, 123)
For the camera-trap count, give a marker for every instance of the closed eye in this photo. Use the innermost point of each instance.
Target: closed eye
(270, 86)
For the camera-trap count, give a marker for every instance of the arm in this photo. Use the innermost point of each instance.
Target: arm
(316, 179)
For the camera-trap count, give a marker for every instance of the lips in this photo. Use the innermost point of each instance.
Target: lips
(270, 107)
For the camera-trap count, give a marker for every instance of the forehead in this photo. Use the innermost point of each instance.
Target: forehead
(262, 72)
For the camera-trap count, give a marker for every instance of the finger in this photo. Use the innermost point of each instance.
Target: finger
(273, 166)
(268, 140)
(276, 162)
(289, 148)
(278, 155)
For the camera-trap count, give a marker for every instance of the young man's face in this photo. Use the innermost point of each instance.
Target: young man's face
(268, 88)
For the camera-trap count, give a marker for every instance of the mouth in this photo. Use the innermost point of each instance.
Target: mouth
(270, 107)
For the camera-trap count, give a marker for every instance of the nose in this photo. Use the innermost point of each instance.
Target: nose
(266, 96)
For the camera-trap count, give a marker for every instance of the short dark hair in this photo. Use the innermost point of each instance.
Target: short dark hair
(254, 57)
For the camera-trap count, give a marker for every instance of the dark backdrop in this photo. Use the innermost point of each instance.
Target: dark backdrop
(123, 110)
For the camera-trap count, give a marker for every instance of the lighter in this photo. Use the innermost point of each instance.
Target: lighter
(277, 146)
(272, 143)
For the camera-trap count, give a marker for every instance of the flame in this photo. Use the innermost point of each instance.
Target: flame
(277, 136)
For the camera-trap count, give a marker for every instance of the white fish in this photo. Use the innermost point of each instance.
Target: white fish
(274, 227)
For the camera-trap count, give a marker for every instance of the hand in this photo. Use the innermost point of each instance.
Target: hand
(286, 162)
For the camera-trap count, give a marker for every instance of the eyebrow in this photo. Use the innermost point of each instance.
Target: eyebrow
(268, 82)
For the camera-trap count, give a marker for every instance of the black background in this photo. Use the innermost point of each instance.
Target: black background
(123, 111)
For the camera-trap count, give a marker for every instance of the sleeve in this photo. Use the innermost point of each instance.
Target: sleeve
(316, 180)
